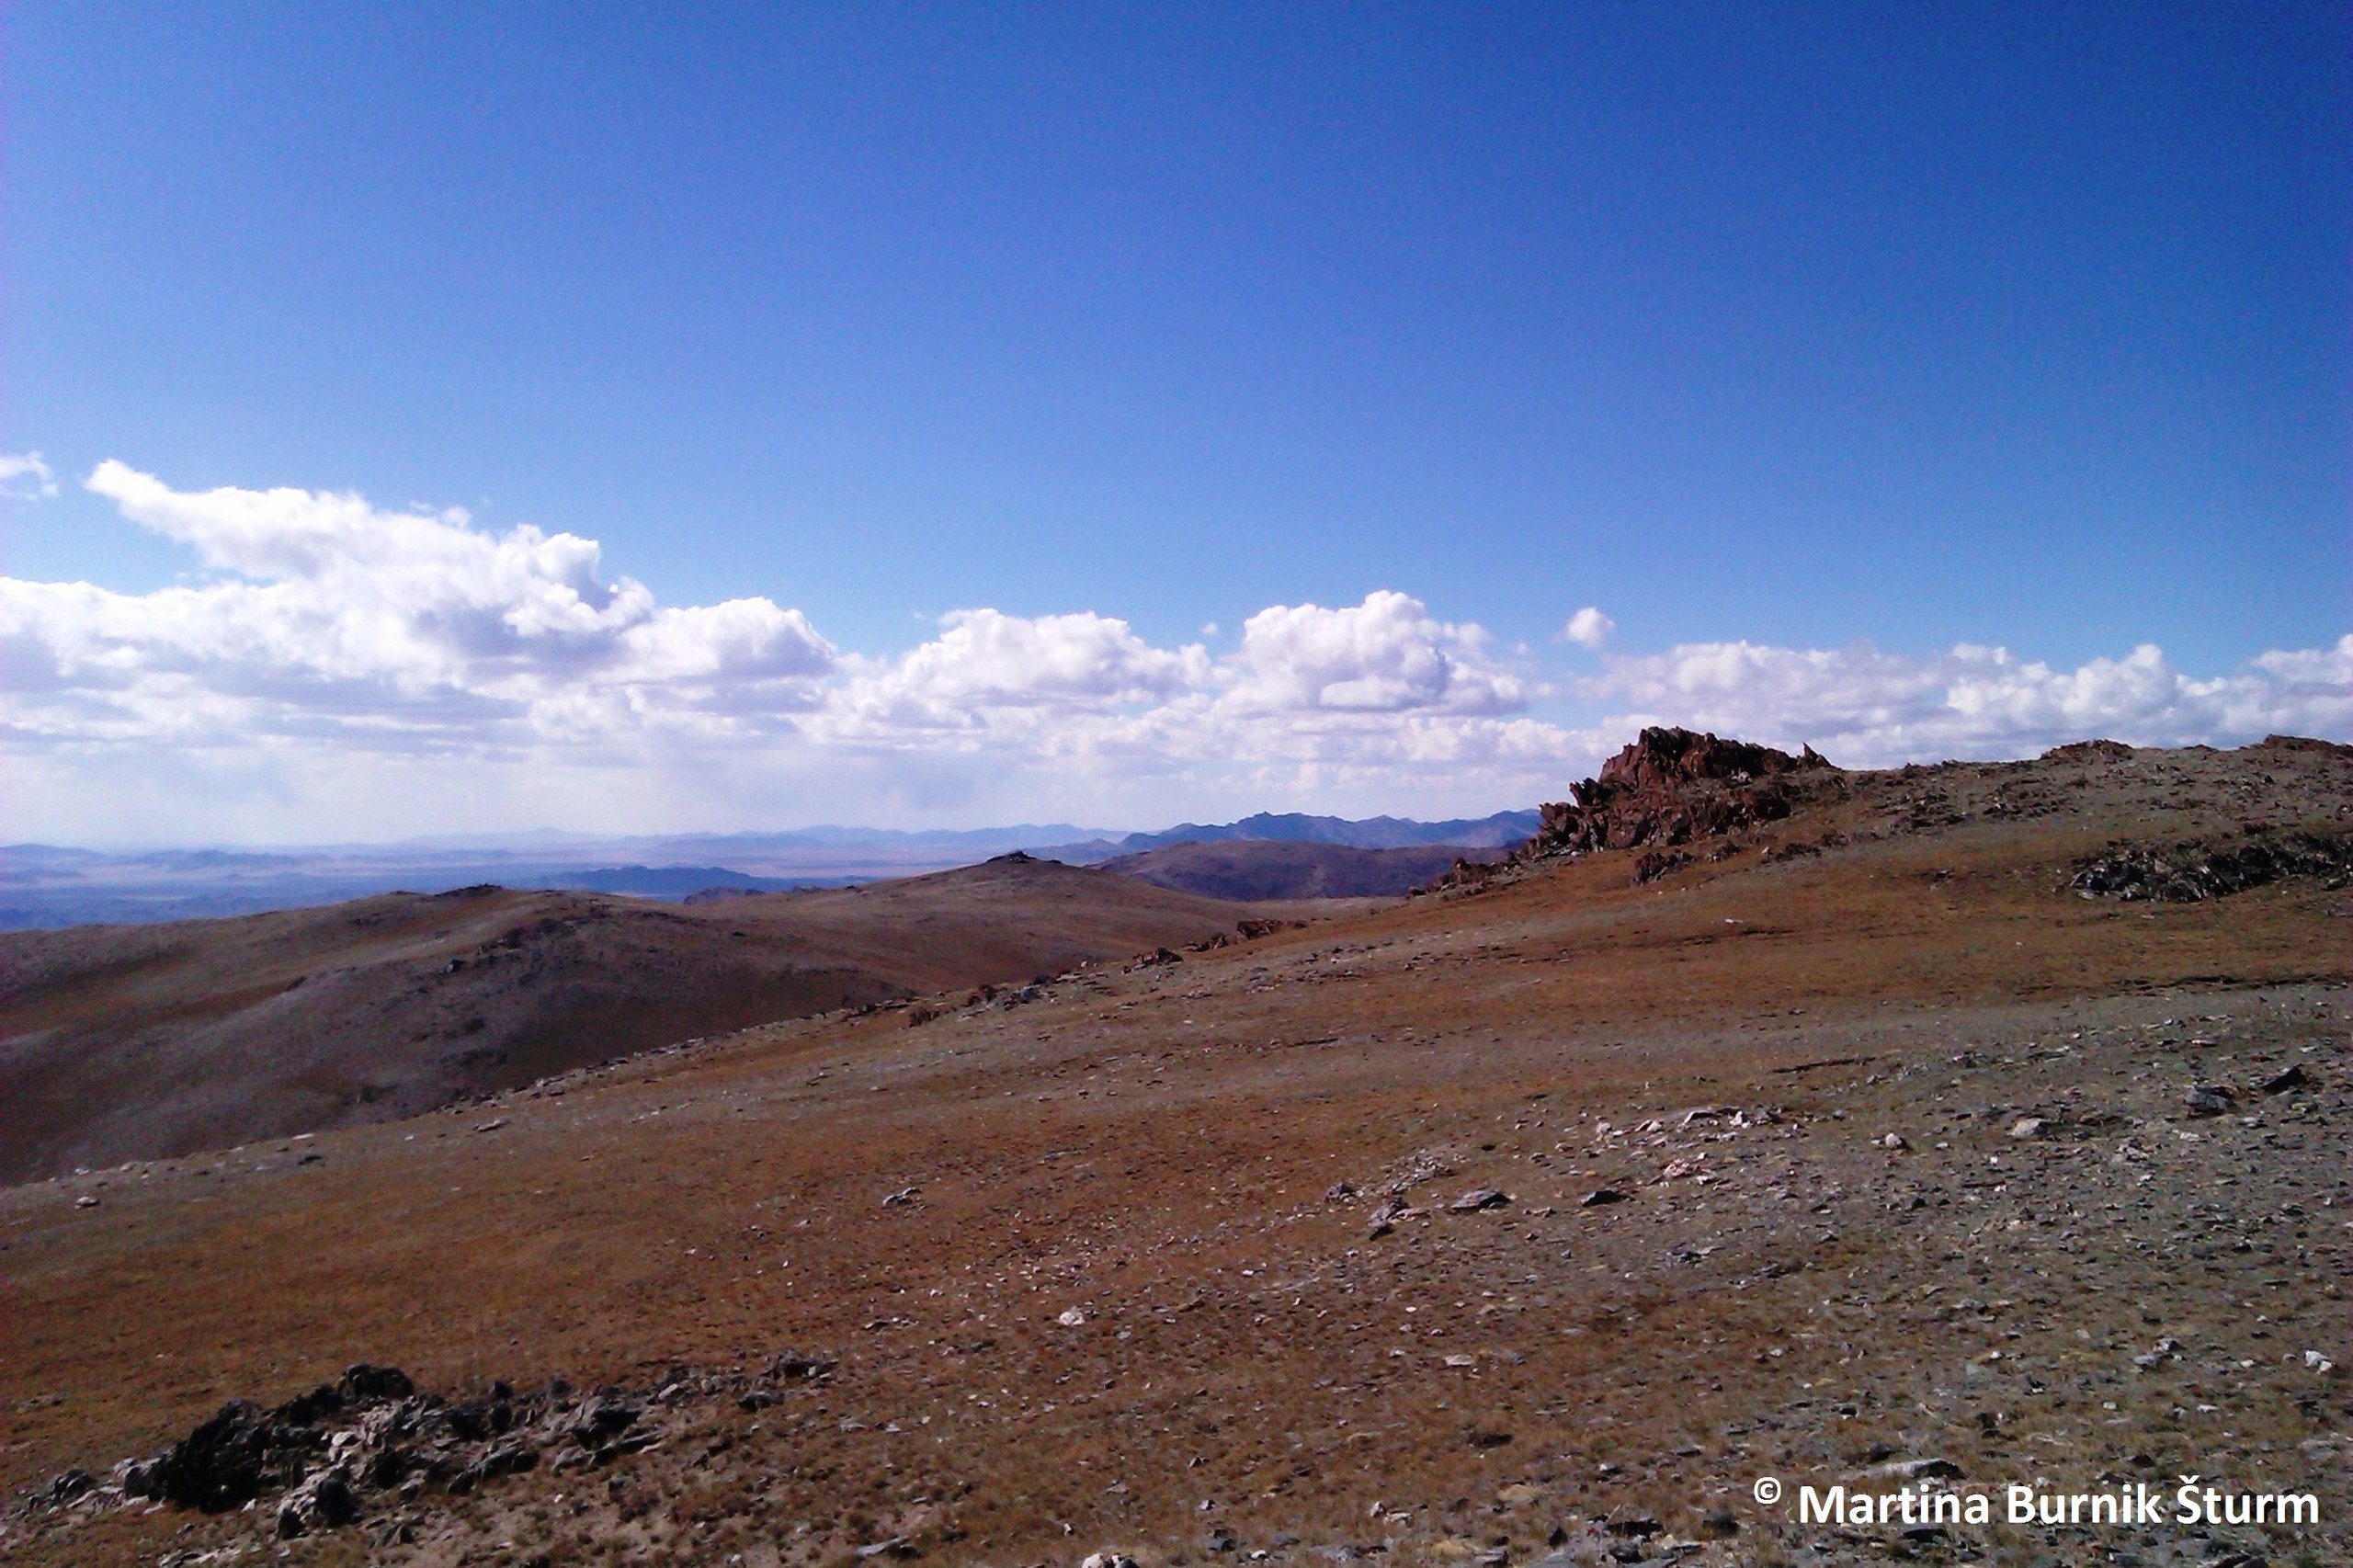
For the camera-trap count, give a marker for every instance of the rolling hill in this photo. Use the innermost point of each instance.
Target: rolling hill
(142, 1040)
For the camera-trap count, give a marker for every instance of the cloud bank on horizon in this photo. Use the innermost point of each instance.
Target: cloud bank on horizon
(343, 670)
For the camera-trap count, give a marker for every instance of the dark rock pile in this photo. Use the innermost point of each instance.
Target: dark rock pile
(369, 1442)
(2187, 872)
(1672, 786)
(1668, 787)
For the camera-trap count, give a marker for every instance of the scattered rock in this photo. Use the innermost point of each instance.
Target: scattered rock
(63, 1487)
(361, 1382)
(2192, 871)
(1072, 1318)
(1599, 1196)
(2293, 1077)
(325, 1502)
(1478, 1197)
(793, 1364)
(1915, 1469)
(2027, 1127)
(1652, 864)
(2206, 1099)
(226, 1462)
(600, 1421)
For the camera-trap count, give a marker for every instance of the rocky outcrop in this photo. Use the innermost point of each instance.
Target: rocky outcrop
(2185, 873)
(1672, 786)
(369, 1442)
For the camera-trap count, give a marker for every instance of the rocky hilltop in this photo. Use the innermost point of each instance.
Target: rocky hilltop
(1671, 786)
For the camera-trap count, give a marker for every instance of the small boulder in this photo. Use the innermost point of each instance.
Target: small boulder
(141, 1479)
(794, 1364)
(600, 1420)
(361, 1382)
(2206, 1099)
(66, 1486)
(332, 1501)
(222, 1463)
(1915, 1469)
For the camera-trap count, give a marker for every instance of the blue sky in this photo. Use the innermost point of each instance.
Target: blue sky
(1847, 335)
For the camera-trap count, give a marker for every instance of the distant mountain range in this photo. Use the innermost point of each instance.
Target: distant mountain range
(1497, 832)
(44, 885)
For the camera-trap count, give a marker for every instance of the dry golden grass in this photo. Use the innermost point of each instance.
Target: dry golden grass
(1155, 1149)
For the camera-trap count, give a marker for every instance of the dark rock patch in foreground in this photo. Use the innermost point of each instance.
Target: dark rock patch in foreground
(2189, 871)
(369, 1444)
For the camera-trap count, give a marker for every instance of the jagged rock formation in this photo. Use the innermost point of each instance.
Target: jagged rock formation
(1672, 786)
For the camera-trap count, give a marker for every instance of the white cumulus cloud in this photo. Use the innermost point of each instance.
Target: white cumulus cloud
(366, 670)
(1354, 699)
(326, 611)
(1588, 627)
(24, 477)
(1867, 707)
(1385, 655)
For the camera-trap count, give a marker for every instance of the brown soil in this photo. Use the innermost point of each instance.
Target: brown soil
(140, 1041)
(2123, 1291)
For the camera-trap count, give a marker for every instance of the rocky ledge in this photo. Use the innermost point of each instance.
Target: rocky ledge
(369, 1442)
